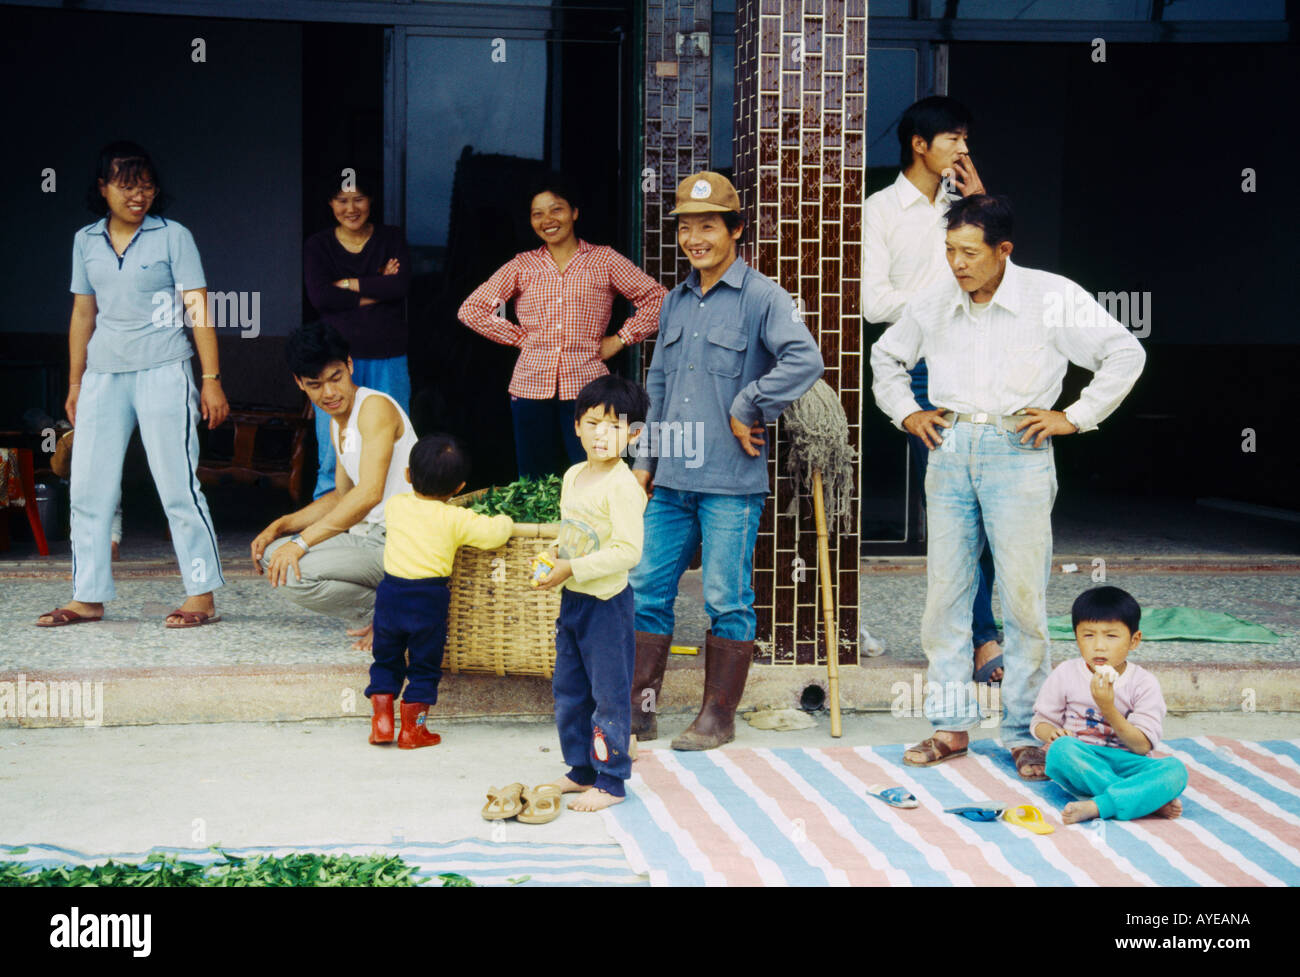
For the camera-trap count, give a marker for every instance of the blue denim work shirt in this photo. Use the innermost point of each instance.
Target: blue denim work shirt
(741, 350)
(140, 322)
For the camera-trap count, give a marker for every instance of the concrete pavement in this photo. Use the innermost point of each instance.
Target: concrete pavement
(129, 789)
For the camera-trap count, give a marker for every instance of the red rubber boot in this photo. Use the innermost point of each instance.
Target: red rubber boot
(381, 722)
(413, 734)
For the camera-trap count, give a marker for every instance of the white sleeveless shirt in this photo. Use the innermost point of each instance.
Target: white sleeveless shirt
(349, 451)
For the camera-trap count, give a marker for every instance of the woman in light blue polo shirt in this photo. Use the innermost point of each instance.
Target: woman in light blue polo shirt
(134, 275)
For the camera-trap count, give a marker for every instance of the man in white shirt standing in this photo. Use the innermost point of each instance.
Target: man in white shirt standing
(902, 253)
(998, 339)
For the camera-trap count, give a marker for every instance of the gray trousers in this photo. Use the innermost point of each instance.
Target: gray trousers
(340, 575)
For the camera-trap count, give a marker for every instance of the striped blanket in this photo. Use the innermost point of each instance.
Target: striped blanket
(803, 817)
(483, 862)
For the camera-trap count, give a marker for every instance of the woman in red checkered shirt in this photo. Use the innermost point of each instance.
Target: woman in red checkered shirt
(564, 291)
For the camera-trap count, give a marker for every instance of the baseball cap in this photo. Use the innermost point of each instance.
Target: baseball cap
(706, 193)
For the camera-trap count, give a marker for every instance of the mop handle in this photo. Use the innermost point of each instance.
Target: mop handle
(828, 604)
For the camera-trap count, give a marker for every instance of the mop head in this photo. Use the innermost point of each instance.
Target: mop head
(818, 434)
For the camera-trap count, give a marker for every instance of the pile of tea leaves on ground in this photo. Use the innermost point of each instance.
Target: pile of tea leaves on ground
(527, 500)
(273, 871)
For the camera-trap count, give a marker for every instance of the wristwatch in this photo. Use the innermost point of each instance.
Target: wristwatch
(212, 376)
(301, 542)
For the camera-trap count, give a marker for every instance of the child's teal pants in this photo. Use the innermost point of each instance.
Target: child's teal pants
(1124, 785)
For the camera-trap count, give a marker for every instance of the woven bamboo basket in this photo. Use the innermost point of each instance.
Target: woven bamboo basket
(498, 622)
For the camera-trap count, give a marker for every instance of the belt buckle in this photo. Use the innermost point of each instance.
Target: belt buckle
(980, 418)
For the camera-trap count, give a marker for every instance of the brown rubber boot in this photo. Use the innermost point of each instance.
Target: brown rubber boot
(651, 660)
(381, 723)
(413, 734)
(726, 666)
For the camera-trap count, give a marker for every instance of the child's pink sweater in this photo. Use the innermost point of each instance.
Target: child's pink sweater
(1066, 701)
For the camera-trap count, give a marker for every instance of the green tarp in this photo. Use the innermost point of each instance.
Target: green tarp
(1182, 624)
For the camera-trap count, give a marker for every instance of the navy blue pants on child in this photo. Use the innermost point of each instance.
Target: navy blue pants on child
(409, 614)
(595, 650)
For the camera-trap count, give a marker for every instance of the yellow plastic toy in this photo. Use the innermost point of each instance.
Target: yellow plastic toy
(542, 567)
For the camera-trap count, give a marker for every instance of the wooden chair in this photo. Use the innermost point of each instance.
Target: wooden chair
(246, 466)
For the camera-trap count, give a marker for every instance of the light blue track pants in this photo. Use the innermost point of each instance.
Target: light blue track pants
(165, 404)
(1125, 785)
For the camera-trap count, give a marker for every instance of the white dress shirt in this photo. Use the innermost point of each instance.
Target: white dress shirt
(1012, 356)
(902, 247)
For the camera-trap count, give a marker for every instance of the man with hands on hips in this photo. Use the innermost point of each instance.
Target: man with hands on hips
(998, 339)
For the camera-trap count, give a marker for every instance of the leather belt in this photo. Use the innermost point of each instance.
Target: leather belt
(1007, 422)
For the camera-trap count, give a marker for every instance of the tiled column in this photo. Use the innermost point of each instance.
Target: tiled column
(800, 160)
(677, 93)
(799, 164)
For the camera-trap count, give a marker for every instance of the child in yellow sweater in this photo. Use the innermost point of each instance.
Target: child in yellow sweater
(423, 535)
(601, 508)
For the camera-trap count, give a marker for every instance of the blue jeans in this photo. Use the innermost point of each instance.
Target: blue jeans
(388, 376)
(983, 626)
(983, 486)
(1124, 785)
(675, 524)
(544, 429)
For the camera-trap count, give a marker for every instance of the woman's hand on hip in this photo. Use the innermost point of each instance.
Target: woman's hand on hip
(213, 404)
(610, 346)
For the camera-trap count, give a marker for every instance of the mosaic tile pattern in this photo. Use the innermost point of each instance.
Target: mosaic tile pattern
(676, 126)
(800, 157)
(800, 115)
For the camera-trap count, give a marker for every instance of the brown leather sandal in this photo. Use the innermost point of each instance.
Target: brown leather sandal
(192, 619)
(61, 617)
(1029, 756)
(935, 751)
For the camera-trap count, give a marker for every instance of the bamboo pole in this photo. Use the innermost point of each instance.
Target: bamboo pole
(828, 604)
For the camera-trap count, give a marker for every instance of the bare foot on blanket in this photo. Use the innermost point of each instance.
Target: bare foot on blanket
(1077, 811)
(567, 786)
(365, 638)
(594, 800)
(1174, 809)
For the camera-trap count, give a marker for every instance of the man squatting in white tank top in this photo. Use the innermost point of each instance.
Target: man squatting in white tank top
(329, 556)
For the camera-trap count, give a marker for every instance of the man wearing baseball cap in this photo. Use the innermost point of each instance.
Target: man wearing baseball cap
(732, 353)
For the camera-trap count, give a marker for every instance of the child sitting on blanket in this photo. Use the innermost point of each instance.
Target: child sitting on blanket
(1100, 715)
(423, 535)
(601, 509)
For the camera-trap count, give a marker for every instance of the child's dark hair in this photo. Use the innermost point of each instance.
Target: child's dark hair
(1106, 604)
(622, 396)
(554, 184)
(313, 347)
(927, 118)
(991, 213)
(128, 163)
(438, 465)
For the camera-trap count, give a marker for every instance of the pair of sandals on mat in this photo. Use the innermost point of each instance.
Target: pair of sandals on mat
(528, 805)
(935, 751)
